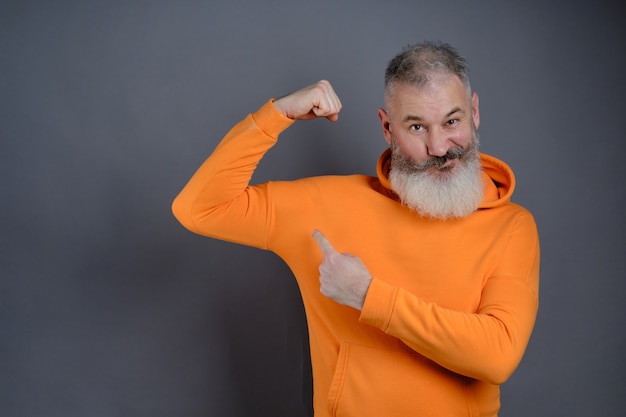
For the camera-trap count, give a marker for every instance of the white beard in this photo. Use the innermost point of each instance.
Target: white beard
(440, 195)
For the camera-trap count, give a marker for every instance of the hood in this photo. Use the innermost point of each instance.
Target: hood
(498, 179)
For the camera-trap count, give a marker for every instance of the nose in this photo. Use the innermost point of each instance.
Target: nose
(437, 143)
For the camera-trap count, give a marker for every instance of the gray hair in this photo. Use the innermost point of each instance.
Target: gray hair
(417, 63)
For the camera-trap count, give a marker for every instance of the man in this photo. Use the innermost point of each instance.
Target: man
(432, 304)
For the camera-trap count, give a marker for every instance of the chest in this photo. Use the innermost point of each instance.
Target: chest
(445, 262)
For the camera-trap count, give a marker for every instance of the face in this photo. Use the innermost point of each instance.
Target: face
(432, 124)
(435, 165)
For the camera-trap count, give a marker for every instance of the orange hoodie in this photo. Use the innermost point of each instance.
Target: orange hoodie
(452, 304)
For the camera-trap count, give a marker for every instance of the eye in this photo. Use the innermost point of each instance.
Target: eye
(452, 122)
(416, 128)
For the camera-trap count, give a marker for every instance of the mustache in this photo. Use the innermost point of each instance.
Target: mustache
(440, 161)
(405, 163)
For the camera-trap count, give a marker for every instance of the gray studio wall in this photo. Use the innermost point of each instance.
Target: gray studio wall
(108, 307)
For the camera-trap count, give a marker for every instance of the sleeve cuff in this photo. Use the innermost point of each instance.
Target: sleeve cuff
(270, 120)
(379, 304)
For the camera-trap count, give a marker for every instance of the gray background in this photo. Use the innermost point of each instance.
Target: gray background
(108, 307)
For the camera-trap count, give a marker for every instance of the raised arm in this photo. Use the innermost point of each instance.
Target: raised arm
(218, 200)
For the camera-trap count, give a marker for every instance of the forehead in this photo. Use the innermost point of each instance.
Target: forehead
(441, 94)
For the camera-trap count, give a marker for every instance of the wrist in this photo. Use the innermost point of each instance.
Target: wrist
(271, 120)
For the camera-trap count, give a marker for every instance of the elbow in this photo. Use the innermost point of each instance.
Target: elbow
(498, 376)
(503, 354)
(182, 212)
(497, 372)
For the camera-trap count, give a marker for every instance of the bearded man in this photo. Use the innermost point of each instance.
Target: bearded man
(431, 306)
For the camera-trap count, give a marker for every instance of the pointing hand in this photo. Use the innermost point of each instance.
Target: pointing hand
(343, 277)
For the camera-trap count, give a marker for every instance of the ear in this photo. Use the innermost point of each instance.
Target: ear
(384, 120)
(475, 110)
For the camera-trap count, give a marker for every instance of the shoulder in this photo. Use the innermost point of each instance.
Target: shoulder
(350, 187)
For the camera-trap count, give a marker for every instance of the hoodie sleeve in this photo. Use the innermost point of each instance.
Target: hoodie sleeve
(487, 345)
(218, 200)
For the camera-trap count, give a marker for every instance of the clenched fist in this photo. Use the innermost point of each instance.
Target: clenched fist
(316, 100)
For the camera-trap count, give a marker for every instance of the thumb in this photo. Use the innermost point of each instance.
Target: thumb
(333, 117)
(323, 243)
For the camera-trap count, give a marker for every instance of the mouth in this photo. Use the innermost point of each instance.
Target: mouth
(446, 167)
(443, 164)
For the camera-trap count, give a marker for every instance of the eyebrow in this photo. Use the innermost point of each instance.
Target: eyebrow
(415, 118)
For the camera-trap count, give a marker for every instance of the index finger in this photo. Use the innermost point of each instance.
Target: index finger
(323, 243)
